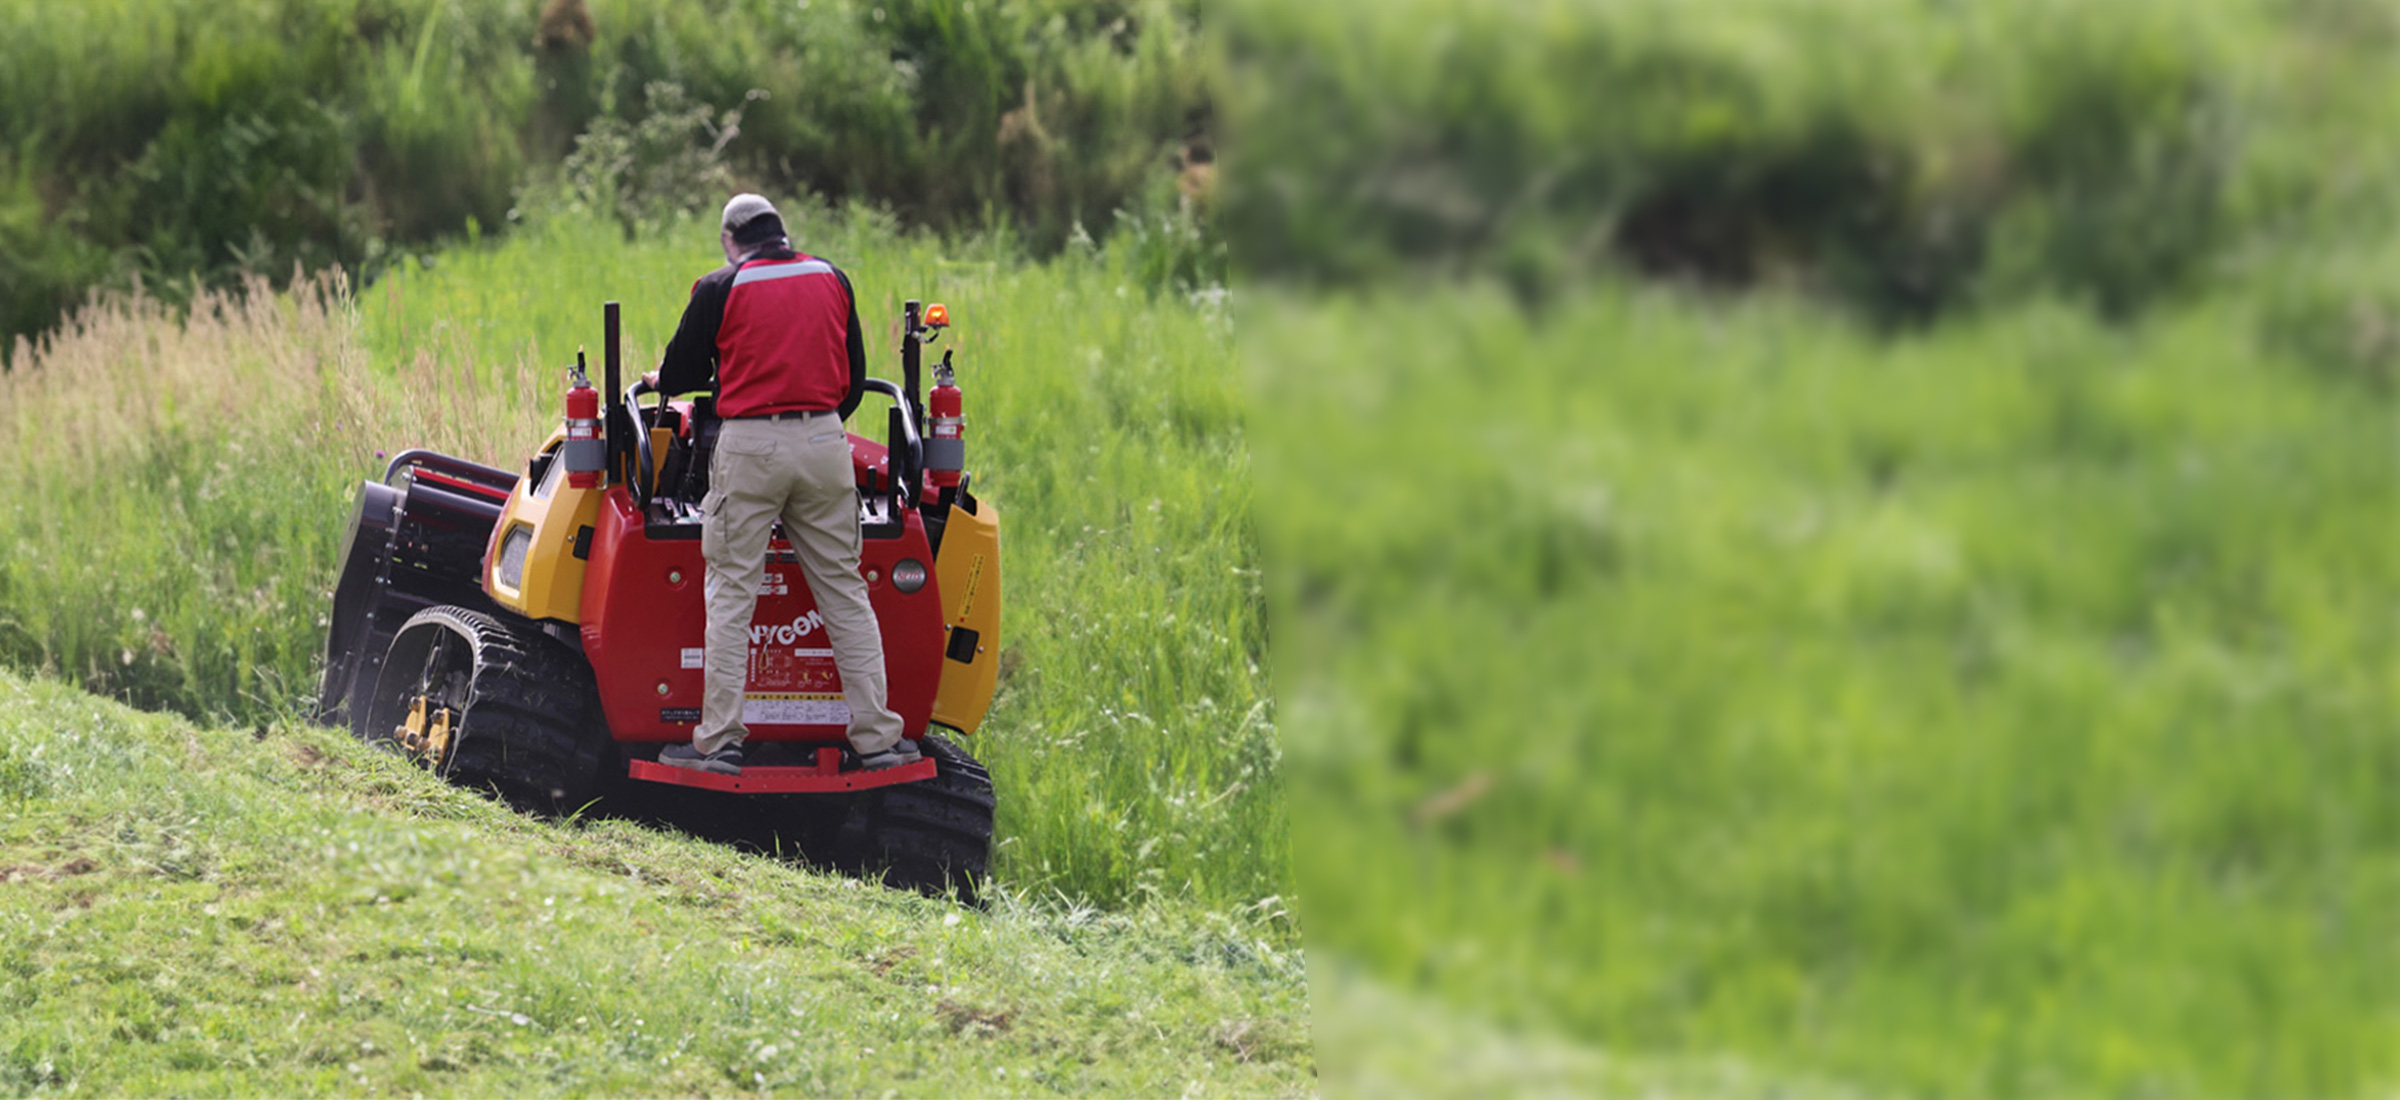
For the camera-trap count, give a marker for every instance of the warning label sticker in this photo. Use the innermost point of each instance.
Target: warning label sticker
(794, 709)
(793, 667)
(793, 679)
(692, 657)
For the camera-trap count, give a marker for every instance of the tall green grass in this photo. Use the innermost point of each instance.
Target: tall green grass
(169, 482)
(210, 464)
(2002, 711)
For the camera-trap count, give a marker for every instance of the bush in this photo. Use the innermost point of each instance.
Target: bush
(669, 163)
(196, 143)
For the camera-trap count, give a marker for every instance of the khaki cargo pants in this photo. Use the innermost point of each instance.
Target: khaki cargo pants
(798, 471)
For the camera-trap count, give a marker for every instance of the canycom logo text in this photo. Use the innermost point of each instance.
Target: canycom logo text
(787, 633)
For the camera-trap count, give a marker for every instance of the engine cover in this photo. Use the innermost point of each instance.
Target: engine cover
(644, 617)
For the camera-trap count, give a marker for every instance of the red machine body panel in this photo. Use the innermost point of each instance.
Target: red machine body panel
(650, 592)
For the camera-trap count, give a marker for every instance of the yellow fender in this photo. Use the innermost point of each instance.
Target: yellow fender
(557, 520)
(968, 570)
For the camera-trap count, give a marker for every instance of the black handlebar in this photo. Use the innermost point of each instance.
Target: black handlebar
(904, 470)
(643, 490)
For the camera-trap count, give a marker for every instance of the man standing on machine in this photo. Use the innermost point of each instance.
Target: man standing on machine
(775, 333)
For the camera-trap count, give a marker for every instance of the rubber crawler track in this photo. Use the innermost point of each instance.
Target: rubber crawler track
(531, 725)
(933, 836)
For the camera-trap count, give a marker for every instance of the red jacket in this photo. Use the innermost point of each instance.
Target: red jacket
(774, 333)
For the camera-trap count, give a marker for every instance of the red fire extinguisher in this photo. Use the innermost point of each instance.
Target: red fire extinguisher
(582, 451)
(946, 448)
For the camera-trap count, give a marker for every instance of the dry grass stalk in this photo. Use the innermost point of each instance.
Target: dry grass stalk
(251, 366)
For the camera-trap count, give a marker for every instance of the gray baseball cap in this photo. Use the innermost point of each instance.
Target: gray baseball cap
(745, 207)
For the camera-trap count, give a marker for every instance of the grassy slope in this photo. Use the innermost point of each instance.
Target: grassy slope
(198, 911)
(2008, 710)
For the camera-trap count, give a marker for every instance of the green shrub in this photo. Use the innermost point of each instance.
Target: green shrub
(194, 143)
(671, 162)
(2336, 308)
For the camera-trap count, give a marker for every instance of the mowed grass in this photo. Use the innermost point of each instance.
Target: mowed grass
(201, 911)
(2005, 710)
(177, 489)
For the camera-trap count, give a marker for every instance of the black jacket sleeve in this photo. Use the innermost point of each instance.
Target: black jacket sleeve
(858, 350)
(690, 362)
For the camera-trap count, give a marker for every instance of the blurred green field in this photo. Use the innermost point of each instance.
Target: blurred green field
(1901, 160)
(210, 467)
(1849, 543)
(2004, 711)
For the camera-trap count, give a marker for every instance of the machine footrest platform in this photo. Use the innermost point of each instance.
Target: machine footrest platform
(825, 778)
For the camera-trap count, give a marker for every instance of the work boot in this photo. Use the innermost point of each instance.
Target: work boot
(724, 761)
(903, 752)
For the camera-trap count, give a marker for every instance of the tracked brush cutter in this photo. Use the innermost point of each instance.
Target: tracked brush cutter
(539, 632)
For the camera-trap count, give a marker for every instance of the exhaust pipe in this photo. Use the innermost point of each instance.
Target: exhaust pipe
(618, 423)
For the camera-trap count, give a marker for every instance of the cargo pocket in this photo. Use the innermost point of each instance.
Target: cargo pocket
(712, 525)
